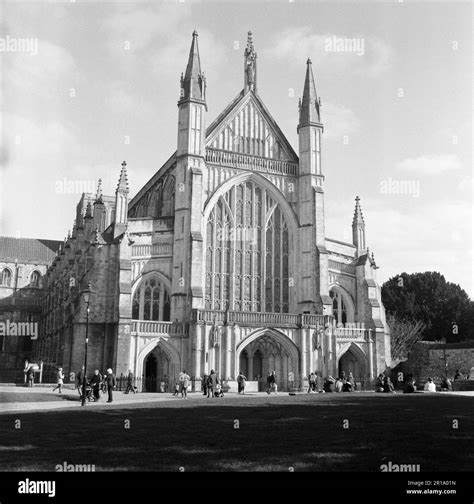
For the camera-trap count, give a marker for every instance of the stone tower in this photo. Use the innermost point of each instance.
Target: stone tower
(190, 156)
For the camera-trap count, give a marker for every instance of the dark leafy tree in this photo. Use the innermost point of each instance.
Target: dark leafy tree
(444, 308)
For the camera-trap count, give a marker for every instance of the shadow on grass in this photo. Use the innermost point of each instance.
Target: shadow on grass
(329, 433)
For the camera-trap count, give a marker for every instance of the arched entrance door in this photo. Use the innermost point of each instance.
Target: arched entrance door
(353, 361)
(266, 352)
(157, 371)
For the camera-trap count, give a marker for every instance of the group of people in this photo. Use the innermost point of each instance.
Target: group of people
(343, 383)
(182, 385)
(384, 384)
(211, 385)
(98, 382)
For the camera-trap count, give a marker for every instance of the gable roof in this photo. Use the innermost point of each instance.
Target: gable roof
(28, 250)
(221, 121)
(265, 124)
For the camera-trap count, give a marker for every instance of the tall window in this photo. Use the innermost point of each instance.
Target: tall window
(247, 255)
(167, 208)
(35, 279)
(151, 301)
(195, 147)
(6, 277)
(318, 151)
(338, 307)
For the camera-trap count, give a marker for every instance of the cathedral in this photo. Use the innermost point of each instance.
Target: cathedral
(221, 260)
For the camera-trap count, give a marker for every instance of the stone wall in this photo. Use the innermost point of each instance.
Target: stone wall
(429, 359)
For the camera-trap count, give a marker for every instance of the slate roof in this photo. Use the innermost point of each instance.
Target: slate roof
(28, 250)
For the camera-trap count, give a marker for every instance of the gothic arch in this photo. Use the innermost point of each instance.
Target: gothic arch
(168, 195)
(286, 343)
(262, 182)
(248, 244)
(354, 350)
(347, 299)
(168, 349)
(159, 301)
(144, 276)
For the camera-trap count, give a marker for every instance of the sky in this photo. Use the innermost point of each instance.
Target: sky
(97, 83)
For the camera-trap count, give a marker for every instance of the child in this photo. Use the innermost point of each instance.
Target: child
(176, 389)
(60, 380)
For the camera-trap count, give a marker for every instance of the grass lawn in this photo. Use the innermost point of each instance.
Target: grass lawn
(305, 432)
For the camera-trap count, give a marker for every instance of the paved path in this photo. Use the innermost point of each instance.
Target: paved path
(70, 398)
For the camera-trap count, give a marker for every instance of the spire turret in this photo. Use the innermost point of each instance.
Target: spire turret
(98, 195)
(123, 180)
(310, 104)
(358, 226)
(358, 217)
(193, 83)
(121, 203)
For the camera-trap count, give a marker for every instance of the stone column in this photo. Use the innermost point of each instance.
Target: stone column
(198, 353)
(207, 353)
(303, 369)
(228, 352)
(371, 356)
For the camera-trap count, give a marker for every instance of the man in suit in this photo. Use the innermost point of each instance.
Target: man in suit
(212, 383)
(96, 380)
(111, 382)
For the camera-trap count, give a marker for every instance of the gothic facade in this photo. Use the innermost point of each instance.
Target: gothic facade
(221, 261)
(23, 264)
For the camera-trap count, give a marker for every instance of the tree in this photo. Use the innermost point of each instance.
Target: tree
(443, 307)
(404, 334)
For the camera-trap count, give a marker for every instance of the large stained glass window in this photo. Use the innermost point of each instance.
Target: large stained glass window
(247, 254)
(338, 307)
(151, 301)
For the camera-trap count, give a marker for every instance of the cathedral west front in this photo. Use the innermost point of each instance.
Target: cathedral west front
(221, 260)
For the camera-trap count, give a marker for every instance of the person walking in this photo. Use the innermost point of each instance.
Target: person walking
(205, 379)
(130, 386)
(111, 382)
(311, 383)
(30, 376)
(271, 382)
(241, 382)
(95, 383)
(79, 379)
(59, 380)
(212, 383)
(184, 382)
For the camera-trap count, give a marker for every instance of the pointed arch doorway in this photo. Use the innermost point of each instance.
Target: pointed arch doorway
(157, 370)
(353, 360)
(265, 351)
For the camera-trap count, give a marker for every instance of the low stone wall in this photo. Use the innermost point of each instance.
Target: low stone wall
(436, 360)
(463, 385)
(232, 386)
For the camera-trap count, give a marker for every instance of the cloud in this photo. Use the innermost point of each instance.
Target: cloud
(466, 184)
(143, 24)
(339, 121)
(430, 165)
(404, 234)
(171, 59)
(336, 53)
(48, 74)
(29, 144)
(121, 100)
